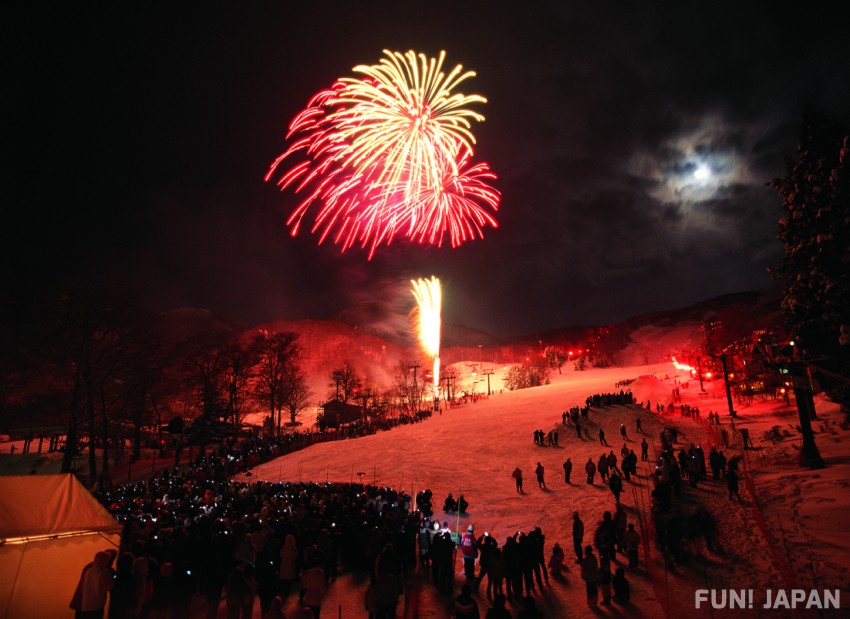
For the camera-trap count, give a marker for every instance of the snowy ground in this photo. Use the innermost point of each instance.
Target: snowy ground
(473, 449)
(793, 533)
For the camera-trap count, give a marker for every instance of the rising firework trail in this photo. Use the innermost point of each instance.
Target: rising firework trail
(428, 295)
(390, 153)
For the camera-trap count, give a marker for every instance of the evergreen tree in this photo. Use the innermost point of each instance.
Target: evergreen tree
(815, 266)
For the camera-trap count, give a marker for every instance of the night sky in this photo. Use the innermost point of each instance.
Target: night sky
(137, 140)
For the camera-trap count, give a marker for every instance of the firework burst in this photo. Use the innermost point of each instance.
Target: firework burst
(388, 154)
(428, 295)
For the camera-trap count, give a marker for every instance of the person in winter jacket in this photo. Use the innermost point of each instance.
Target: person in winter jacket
(606, 536)
(125, 594)
(517, 475)
(240, 592)
(539, 547)
(382, 596)
(539, 472)
(621, 520)
(424, 541)
(313, 587)
(288, 559)
(469, 551)
(96, 581)
(612, 462)
(556, 561)
(631, 539)
(486, 546)
(590, 469)
(496, 572)
(602, 467)
(463, 606)
(590, 575)
(732, 484)
(498, 610)
(621, 586)
(605, 580)
(578, 536)
(616, 485)
(513, 569)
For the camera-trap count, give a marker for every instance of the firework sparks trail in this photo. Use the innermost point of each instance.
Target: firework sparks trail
(390, 153)
(428, 295)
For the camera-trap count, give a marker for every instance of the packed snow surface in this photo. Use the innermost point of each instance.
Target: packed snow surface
(797, 518)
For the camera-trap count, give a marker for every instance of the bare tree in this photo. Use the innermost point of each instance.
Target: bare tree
(205, 362)
(91, 320)
(276, 354)
(344, 382)
(409, 387)
(296, 393)
(238, 363)
(144, 372)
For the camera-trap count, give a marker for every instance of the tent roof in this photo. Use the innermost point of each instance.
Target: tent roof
(38, 505)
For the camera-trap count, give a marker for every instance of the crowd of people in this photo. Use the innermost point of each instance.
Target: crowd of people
(601, 400)
(245, 453)
(195, 533)
(189, 534)
(673, 524)
(546, 439)
(191, 531)
(372, 425)
(518, 569)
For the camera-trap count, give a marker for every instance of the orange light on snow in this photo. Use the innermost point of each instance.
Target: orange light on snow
(682, 366)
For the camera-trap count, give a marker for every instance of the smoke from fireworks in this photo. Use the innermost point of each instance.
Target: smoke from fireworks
(428, 295)
(390, 153)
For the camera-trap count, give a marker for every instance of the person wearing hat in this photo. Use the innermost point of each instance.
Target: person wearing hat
(469, 551)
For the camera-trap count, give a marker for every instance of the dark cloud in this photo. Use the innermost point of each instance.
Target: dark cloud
(140, 137)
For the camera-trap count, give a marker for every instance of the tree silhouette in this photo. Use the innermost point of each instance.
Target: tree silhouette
(92, 321)
(344, 382)
(277, 357)
(815, 265)
(296, 393)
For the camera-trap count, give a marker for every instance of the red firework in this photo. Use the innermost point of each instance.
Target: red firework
(390, 154)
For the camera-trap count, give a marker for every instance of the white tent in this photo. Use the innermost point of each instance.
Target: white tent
(50, 528)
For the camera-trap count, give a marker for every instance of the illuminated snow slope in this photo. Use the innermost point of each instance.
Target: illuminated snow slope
(473, 449)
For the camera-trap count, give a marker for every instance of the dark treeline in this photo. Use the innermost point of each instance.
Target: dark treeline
(94, 367)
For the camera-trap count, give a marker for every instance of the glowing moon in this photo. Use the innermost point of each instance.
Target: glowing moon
(702, 173)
